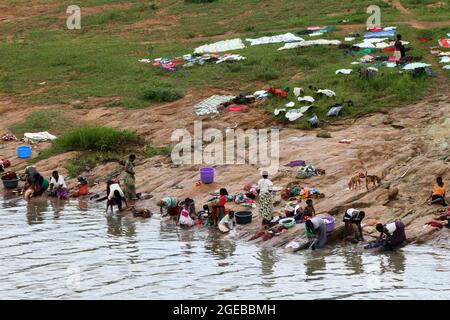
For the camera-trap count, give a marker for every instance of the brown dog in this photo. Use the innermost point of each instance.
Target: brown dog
(375, 180)
(356, 181)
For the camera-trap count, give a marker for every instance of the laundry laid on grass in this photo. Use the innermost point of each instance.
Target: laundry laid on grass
(9, 137)
(221, 46)
(344, 71)
(446, 67)
(308, 43)
(444, 59)
(316, 30)
(445, 43)
(415, 65)
(210, 105)
(188, 60)
(380, 34)
(287, 37)
(306, 99)
(295, 114)
(38, 136)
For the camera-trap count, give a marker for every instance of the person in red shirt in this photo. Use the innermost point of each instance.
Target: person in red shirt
(83, 188)
(218, 209)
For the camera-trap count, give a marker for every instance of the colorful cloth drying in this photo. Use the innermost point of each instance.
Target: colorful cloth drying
(381, 33)
(296, 163)
(210, 105)
(9, 137)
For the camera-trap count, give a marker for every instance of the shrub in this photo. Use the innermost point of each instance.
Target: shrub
(91, 138)
(162, 94)
(152, 151)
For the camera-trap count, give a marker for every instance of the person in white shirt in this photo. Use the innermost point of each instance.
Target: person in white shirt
(58, 187)
(354, 217)
(115, 196)
(227, 222)
(265, 198)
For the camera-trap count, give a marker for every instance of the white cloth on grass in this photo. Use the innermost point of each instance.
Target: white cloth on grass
(445, 59)
(415, 65)
(221, 46)
(297, 91)
(307, 99)
(308, 43)
(209, 105)
(329, 93)
(447, 67)
(39, 136)
(349, 39)
(290, 104)
(287, 37)
(295, 114)
(344, 71)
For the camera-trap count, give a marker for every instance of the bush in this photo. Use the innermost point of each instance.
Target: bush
(151, 151)
(88, 161)
(91, 138)
(163, 94)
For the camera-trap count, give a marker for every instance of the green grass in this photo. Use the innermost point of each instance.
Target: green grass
(152, 151)
(429, 10)
(101, 59)
(93, 139)
(88, 161)
(44, 120)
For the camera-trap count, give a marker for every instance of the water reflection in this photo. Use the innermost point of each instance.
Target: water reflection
(58, 206)
(116, 226)
(218, 245)
(353, 261)
(314, 262)
(35, 210)
(82, 204)
(393, 262)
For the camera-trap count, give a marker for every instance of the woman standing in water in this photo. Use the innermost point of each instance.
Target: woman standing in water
(130, 180)
(265, 199)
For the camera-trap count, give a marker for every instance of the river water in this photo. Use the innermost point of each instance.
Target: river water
(72, 250)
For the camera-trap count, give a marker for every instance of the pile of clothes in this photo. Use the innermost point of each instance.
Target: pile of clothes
(11, 175)
(9, 137)
(309, 170)
(296, 192)
(4, 164)
(189, 60)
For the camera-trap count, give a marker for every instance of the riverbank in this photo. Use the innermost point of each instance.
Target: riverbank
(407, 147)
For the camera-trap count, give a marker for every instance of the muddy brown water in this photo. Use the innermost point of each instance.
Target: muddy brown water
(72, 250)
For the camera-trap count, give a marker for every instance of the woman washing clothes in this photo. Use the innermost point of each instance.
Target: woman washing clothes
(83, 188)
(227, 223)
(170, 204)
(115, 195)
(130, 180)
(58, 186)
(185, 219)
(265, 198)
(218, 208)
(391, 235)
(316, 230)
(35, 184)
(307, 213)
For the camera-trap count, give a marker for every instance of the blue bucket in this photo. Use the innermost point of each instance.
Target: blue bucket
(207, 175)
(24, 152)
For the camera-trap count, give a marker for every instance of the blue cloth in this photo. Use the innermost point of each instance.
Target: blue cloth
(380, 34)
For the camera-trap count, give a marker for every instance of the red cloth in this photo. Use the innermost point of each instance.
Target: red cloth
(424, 39)
(444, 43)
(435, 224)
(176, 60)
(387, 50)
(392, 59)
(6, 163)
(235, 108)
(375, 29)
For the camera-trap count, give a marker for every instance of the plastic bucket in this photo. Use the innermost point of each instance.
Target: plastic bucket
(329, 222)
(243, 217)
(207, 175)
(24, 152)
(10, 184)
